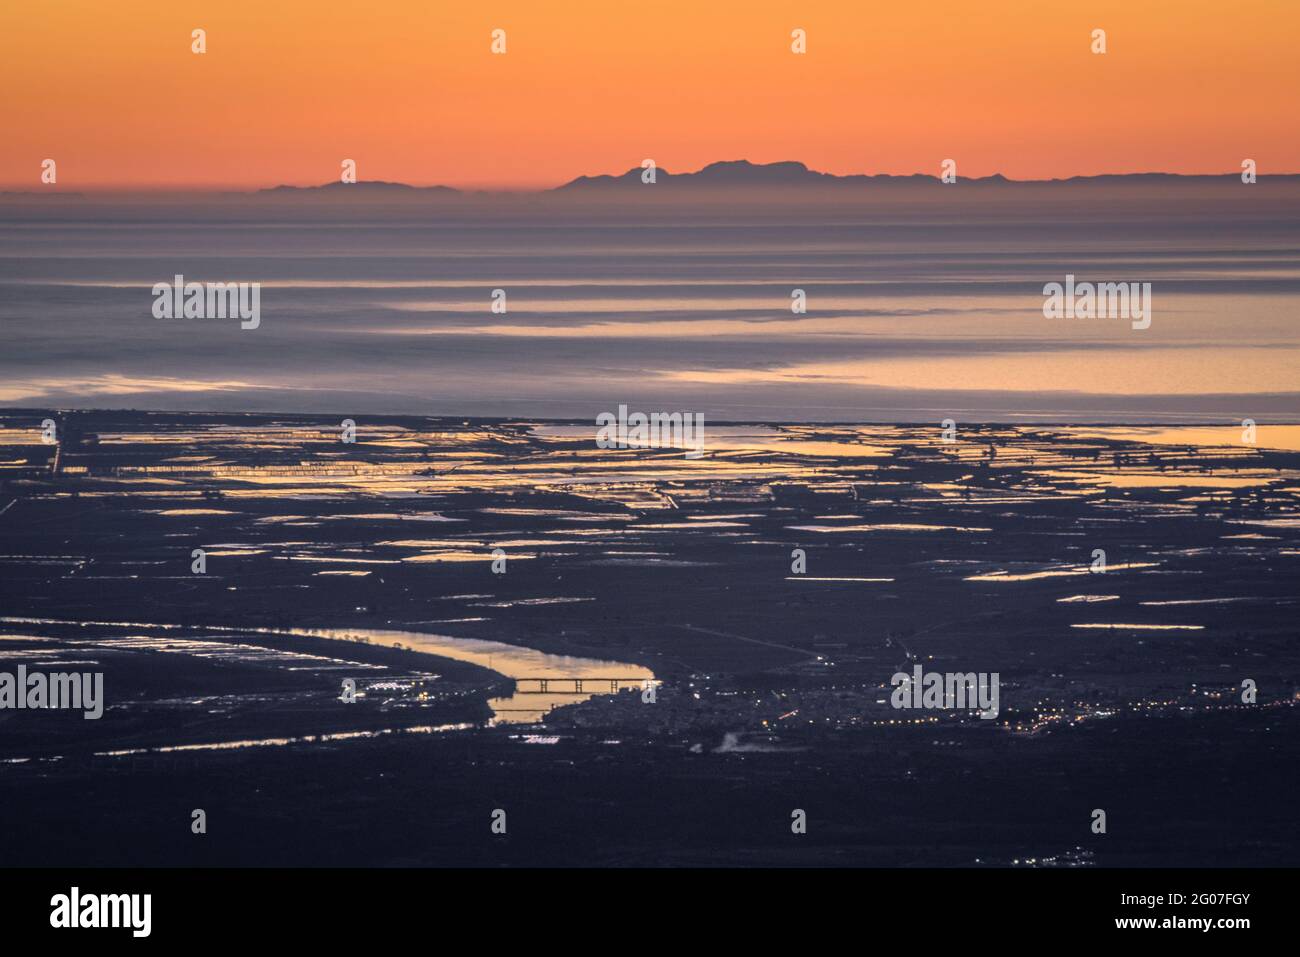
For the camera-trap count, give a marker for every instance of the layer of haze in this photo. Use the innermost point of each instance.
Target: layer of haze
(924, 302)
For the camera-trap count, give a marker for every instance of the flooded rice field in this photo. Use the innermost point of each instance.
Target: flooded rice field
(254, 585)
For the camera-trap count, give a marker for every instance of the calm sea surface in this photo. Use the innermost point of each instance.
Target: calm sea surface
(909, 317)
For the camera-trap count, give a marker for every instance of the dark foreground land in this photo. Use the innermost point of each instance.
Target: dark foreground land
(774, 696)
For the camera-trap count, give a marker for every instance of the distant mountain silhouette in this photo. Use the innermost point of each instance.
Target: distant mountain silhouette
(724, 173)
(728, 174)
(742, 173)
(364, 187)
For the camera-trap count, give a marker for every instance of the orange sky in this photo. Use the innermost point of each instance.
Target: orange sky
(411, 91)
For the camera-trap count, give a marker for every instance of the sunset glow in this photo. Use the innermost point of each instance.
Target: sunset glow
(412, 92)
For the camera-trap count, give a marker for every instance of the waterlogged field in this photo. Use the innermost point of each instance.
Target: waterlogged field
(398, 630)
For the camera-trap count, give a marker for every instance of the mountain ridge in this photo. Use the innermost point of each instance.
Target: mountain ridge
(720, 175)
(795, 173)
(782, 173)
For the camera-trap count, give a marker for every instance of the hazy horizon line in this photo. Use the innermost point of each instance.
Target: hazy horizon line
(589, 179)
